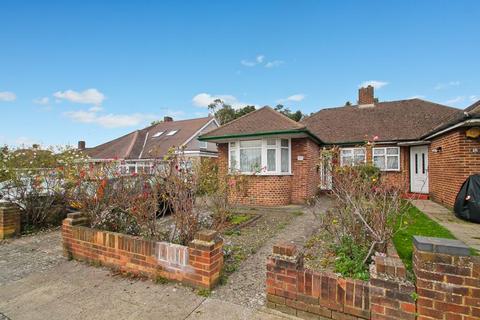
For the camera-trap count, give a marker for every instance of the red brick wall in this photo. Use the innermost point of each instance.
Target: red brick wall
(306, 178)
(448, 285)
(449, 168)
(9, 220)
(271, 190)
(309, 294)
(198, 265)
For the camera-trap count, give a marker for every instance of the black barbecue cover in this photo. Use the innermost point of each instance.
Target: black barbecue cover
(467, 204)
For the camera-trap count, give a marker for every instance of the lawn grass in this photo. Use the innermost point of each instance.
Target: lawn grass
(416, 223)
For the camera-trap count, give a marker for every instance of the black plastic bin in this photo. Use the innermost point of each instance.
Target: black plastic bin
(467, 203)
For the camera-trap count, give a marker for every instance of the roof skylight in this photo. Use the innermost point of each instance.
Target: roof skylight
(158, 134)
(171, 133)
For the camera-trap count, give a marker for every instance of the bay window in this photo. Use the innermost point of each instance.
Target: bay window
(352, 156)
(387, 159)
(264, 156)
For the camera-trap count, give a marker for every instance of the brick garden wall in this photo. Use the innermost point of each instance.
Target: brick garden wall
(449, 168)
(448, 280)
(447, 286)
(272, 190)
(198, 264)
(308, 294)
(9, 220)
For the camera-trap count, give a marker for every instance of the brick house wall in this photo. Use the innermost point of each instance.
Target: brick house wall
(277, 190)
(449, 168)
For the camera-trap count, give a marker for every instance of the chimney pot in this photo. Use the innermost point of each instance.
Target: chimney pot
(81, 145)
(366, 95)
(167, 119)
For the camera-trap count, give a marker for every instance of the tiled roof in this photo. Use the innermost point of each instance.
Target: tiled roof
(263, 120)
(142, 144)
(390, 121)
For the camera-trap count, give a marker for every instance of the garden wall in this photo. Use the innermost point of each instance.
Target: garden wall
(447, 286)
(198, 264)
(308, 294)
(448, 279)
(9, 220)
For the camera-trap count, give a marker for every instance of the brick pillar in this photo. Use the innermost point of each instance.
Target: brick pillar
(9, 220)
(73, 219)
(391, 295)
(206, 257)
(448, 279)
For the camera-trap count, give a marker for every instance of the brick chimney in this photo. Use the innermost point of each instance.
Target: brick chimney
(366, 96)
(81, 145)
(167, 119)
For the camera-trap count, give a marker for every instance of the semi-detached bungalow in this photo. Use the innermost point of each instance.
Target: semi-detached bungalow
(428, 148)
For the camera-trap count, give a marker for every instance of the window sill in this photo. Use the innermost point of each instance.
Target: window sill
(261, 174)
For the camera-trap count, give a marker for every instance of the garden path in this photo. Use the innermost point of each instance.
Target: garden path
(247, 285)
(465, 231)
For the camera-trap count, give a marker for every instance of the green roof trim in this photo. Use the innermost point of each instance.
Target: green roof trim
(267, 133)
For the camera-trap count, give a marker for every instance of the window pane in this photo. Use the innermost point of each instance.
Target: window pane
(250, 159)
(250, 143)
(347, 160)
(271, 142)
(392, 163)
(359, 156)
(271, 159)
(284, 142)
(233, 159)
(347, 152)
(232, 145)
(392, 151)
(379, 162)
(378, 151)
(284, 160)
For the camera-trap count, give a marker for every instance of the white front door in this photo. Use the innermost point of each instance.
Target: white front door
(419, 169)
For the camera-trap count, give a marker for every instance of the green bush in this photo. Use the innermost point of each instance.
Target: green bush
(349, 259)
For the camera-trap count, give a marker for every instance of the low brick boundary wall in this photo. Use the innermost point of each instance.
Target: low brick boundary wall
(448, 279)
(198, 264)
(9, 220)
(309, 294)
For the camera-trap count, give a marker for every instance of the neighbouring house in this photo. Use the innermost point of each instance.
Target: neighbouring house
(427, 148)
(136, 151)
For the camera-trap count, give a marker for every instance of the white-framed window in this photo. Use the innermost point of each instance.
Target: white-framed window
(263, 156)
(202, 144)
(387, 159)
(171, 133)
(352, 156)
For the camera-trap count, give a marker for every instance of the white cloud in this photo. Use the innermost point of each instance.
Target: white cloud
(374, 83)
(7, 96)
(110, 120)
(42, 101)
(455, 100)
(417, 97)
(204, 99)
(274, 63)
(442, 86)
(258, 60)
(25, 141)
(89, 96)
(474, 98)
(295, 98)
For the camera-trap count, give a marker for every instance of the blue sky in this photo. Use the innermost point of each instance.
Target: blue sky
(94, 70)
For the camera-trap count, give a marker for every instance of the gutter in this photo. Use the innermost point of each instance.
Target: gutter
(461, 124)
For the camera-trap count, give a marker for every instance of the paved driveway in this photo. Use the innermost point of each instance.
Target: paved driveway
(73, 290)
